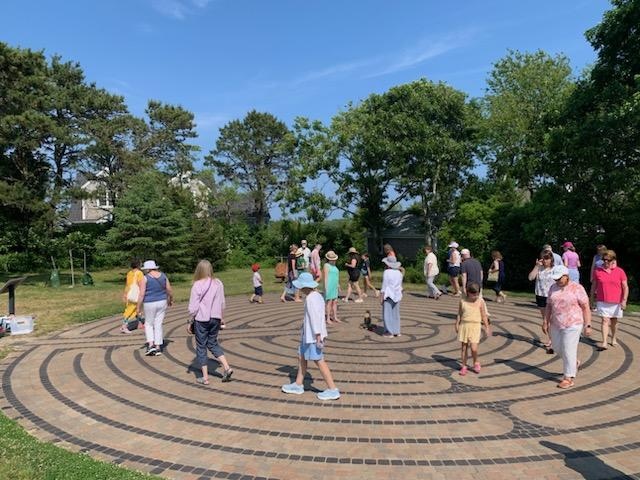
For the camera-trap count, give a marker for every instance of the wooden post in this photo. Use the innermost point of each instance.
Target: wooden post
(73, 278)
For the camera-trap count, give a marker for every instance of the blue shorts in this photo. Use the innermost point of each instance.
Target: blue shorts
(453, 271)
(258, 290)
(310, 351)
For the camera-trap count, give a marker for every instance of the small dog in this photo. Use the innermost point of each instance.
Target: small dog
(367, 322)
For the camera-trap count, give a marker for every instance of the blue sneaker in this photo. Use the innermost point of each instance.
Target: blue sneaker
(329, 394)
(293, 388)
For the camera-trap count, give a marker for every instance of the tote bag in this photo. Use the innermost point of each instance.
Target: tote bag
(133, 293)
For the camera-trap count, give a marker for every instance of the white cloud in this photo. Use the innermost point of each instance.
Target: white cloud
(178, 9)
(377, 66)
(331, 71)
(426, 50)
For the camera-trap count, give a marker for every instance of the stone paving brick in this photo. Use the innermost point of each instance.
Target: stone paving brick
(404, 411)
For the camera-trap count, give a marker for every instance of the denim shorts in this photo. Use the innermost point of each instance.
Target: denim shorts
(310, 351)
(257, 291)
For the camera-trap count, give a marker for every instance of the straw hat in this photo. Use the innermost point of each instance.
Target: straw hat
(331, 255)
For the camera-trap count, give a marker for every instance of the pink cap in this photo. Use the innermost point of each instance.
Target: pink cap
(567, 245)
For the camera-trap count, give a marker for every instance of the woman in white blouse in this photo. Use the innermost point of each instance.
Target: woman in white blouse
(390, 296)
(541, 273)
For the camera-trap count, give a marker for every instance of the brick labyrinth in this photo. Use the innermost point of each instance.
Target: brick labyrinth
(404, 412)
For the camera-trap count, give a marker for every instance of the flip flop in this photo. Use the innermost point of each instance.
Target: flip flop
(566, 383)
(202, 381)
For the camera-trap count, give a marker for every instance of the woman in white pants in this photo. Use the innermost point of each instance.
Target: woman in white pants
(431, 271)
(566, 314)
(155, 295)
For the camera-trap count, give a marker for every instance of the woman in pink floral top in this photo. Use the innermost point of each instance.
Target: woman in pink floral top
(566, 314)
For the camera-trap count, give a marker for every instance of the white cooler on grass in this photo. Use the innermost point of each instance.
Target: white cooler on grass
(19, 324)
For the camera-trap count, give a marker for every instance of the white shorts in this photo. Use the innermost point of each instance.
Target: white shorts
(609, 310)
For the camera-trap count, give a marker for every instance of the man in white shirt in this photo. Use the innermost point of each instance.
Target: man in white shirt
(431, 271)
(306, 252)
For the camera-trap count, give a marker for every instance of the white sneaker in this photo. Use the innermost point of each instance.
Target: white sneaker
(329, 394)
(358, 300)
(293, 388)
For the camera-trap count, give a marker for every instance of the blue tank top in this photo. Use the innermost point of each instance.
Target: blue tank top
(156, 288)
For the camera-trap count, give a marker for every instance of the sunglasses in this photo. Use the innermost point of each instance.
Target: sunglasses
(607, 259)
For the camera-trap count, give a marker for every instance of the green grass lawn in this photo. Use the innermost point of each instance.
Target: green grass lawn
(22, 457)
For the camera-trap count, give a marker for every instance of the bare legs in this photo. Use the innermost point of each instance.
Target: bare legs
(322, 366)
(367, 284)
(331, 312)
(464, 354)
(614, 332)
(606, 321)
(455, 284)
(547, 343)
(353, 286)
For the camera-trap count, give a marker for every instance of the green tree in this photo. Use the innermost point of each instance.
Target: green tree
(431, 130)
(24, 127)
(525, 93)
(111, 158)
(256, 153)
(595, 148)
(149, 223)
(69, 107)
(354, 154)
(416, 140)
(165, 139)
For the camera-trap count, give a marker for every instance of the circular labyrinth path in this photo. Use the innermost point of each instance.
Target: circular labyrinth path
(405, 413)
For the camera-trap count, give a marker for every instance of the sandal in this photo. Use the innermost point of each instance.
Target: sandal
(566, 383)
(226, 376)
(202, 381)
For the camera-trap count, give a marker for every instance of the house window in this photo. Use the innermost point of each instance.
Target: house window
(103, 200)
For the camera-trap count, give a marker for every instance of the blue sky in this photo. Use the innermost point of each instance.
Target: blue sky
(221, 58)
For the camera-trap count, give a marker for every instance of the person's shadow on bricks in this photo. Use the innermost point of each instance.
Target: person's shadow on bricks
(212, 365)
(447, 362)
(585, 463)
(293, 372)
(527, 368)
(519, 338)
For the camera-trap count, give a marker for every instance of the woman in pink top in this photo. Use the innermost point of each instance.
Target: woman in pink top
(611, 289)
(566, 313)
(571, 260)
(206, 307)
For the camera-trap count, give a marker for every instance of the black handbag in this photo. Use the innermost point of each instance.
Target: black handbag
(135, 323)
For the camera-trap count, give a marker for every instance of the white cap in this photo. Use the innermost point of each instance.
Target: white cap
(559, 271)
